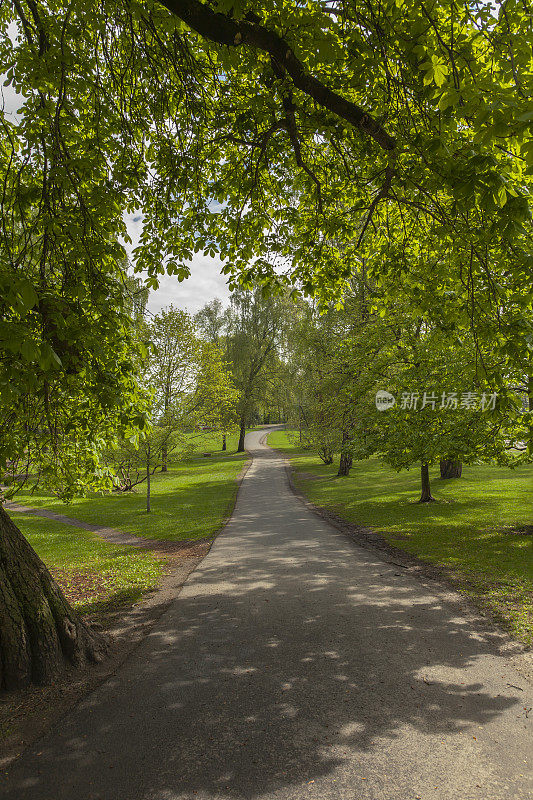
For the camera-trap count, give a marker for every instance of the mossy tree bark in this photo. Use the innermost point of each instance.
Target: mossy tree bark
(40, 634)
(529, 528)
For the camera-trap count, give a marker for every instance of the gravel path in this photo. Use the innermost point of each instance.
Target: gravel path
(293, 665)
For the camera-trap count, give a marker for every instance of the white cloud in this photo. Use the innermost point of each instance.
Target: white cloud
(205, 283)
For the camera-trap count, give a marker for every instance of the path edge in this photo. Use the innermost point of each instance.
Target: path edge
(136, 623)
(431, 576)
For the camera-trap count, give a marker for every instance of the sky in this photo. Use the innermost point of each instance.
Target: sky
(206, 281)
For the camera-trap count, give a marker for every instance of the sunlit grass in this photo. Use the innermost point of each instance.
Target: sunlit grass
(190, 501)
(91, 572)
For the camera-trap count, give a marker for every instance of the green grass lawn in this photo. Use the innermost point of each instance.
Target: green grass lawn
(474, 530)
(93, 574)
(190, 501)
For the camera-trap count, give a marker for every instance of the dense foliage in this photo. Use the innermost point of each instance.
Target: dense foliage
(190, 389)
(296, 140)
(304, 142)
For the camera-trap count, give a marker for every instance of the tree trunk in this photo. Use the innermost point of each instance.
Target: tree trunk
(224, 442)
(450, 468)
(530, 408)
(425, 497)
(242, 434)
(164, 447)
(325, 454)
(40, 634)
(148, 486)
(345, 465)
(529, 528)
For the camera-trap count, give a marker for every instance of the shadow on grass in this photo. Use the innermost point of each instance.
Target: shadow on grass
(117, 600)
(383, 502)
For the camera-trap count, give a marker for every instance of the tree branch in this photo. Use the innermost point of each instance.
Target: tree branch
(292, 129)
(383, 192)
(224, 30)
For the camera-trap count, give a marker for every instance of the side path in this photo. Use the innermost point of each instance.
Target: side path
(294, 665)
(111, 535)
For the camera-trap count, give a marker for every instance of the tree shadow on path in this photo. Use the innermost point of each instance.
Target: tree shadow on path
(289, 660)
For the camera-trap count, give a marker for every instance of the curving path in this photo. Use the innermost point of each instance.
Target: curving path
(295, 665)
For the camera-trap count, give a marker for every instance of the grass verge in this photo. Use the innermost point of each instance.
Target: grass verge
(190, 501)
(475, 532)
(93, 574)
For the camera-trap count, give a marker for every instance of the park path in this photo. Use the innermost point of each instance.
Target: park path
(293, 665)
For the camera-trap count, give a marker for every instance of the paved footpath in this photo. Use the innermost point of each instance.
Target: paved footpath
(295, 665)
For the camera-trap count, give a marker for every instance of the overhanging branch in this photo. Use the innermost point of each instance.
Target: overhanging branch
(227, 31)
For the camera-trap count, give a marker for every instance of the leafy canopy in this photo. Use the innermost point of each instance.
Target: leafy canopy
(295, 139)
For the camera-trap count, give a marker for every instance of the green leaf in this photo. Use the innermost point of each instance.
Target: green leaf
(30, 351)
(440, 74)
(27, 295)
(500, 197)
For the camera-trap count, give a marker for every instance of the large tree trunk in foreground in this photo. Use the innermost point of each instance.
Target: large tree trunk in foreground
(242, 434)
(345, 465)
(530, 407)
(450, 468)
(425, 497)
(529, 528)
(40, 634)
